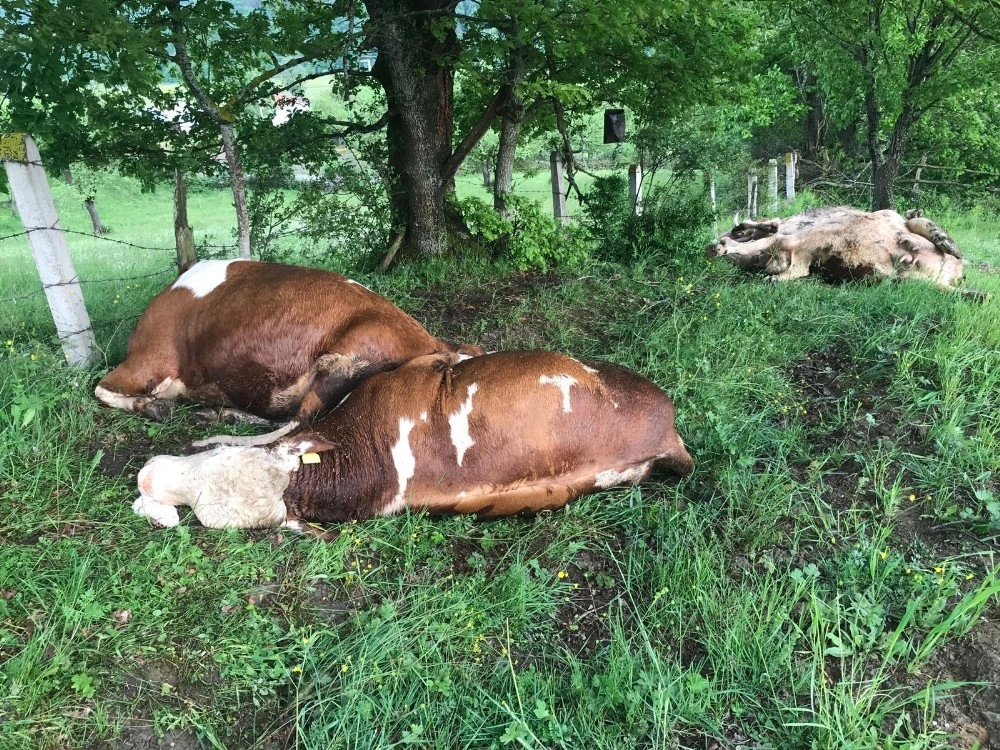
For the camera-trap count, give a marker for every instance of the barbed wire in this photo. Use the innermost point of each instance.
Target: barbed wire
(84, 282)
(28, 230)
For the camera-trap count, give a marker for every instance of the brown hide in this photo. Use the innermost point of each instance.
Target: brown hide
(843, 244)
(495, 435)
(272, 340)
(527, 452)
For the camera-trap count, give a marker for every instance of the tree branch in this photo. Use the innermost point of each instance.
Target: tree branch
(475, 134)
(180, 57)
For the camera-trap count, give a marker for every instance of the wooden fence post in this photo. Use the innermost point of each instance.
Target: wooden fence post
(635, 187)
(183, 234)
(791, 167)
(558, 188)
(30, 190)
(919, 172)
(751, 195)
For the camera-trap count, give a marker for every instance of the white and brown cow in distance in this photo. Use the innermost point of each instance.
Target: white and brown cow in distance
(843, 244)
(272, 340)
(500, 434)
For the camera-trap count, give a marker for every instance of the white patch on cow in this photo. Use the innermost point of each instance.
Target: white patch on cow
(158, 513)
(357, 283)
(591, 370)
(563, 383)
(423, 416)
(463, 357)
(459, 422)
(405, 463)
(294, 449)
(461, 494)
(612, 478)
(294, 526)
(228, 487)
(204, 276)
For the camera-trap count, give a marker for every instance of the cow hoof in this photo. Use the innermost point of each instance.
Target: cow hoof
(159, 410)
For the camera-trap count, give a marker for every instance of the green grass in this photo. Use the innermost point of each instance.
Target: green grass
(810, 585)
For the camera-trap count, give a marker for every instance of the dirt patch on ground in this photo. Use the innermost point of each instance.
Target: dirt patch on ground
(826, 381)
(498, 318)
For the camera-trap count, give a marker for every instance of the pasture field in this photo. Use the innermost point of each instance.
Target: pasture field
(827, 578)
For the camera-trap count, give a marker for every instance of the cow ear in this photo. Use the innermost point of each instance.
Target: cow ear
(308, 444)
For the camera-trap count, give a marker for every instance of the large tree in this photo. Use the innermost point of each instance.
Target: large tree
(524, 58)
(884, 65)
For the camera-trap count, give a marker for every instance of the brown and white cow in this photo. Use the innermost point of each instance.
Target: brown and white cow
(272, 340)
(843, 244)
(495, 435)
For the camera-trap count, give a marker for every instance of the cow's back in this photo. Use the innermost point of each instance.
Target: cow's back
(494, 435)
(257, 336)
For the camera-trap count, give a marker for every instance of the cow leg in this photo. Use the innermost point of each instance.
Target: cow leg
(729, 246)
(334, 376)
(225, 415)
(157, 405)
(929, 230)
(787, 263)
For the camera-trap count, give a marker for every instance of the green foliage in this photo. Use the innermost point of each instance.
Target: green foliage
(528, 239)
(605, 214)
(675, 220)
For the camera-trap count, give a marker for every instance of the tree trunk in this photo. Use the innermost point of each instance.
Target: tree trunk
(887, 160)
(183, 234)
(513, 112)
(416, 54)
(95, 218)
(238, 180)
(503, 182)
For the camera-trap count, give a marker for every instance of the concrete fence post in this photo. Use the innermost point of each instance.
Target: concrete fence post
(33, 198)
(751, 195)
(791, 168)
(772, 186)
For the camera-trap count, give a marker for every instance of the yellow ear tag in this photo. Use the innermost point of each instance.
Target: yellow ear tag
(310, 458)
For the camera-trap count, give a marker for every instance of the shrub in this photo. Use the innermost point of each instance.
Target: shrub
(529, 239)
(675, 219)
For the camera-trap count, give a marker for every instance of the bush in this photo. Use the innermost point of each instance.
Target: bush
(529, 239)
(675, 219)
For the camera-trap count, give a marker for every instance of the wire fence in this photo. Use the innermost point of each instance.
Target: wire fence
(24, 312)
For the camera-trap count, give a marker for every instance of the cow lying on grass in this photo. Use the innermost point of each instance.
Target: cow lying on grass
(495, 435)
(843, 244)
(272, 340)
